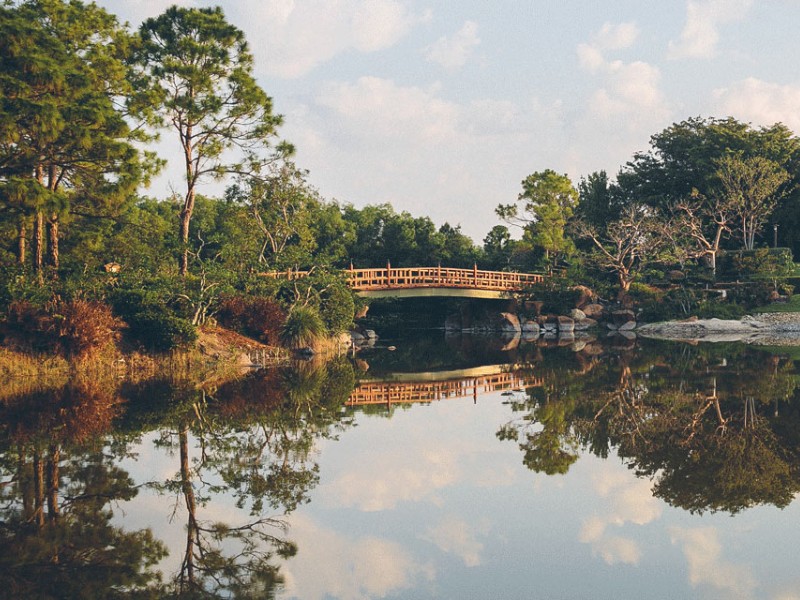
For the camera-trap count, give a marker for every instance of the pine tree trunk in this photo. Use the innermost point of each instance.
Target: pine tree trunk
(38, 243)
(22, 246)
(52, 248)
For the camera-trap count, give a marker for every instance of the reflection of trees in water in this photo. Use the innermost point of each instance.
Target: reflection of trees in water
(251, 440)
(58, 486)
(714, 432)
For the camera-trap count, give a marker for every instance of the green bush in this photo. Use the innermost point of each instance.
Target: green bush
(337, 308)
(152, 324)
(556, 295)
(761, 264)
(302, 328)
(712, 309)
(158, 330)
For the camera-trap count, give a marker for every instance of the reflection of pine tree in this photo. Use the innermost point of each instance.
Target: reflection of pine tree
(253, 440)
(56, 534)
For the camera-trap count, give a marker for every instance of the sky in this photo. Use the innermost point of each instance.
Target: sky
(442, 108)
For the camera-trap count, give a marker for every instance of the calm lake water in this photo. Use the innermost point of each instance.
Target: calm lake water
(461, 467)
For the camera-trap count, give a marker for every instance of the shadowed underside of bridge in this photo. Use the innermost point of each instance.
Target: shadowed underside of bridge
(409, 282)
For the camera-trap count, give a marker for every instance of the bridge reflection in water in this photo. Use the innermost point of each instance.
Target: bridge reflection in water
(408, 388)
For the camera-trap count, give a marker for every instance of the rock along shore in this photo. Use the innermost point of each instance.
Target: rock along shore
(779, 329)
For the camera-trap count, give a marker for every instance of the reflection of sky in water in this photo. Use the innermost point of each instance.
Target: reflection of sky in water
(430, 504)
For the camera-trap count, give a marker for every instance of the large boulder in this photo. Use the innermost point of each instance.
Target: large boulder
(585, 296)
(585, 324)
(576, 314)
(565, 325)
(624, 319)
(593, 311)
(509, 323)
(549, 323)
(529, 326)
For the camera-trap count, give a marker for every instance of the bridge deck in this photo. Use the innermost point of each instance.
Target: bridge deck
(389, 278)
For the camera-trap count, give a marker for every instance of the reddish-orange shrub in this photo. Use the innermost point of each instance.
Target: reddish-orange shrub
(84, 326)
(259, 318)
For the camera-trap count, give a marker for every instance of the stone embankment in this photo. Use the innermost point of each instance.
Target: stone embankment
(780, 329)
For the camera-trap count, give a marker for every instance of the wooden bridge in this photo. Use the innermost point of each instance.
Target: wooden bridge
(429, 281)
(430, 387)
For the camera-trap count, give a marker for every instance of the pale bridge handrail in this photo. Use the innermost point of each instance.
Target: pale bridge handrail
(421, 277)
(430, 391)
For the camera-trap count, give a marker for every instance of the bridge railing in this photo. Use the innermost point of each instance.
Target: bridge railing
(430, 391)
(421, 277)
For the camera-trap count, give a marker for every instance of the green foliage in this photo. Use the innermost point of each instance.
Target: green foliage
(762, 264)
(152, 324)
(714, 309)
(337, 308)
(545, 205)
(303, 327)
(557, 295)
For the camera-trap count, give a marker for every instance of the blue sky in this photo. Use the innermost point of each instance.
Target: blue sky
(442, 108)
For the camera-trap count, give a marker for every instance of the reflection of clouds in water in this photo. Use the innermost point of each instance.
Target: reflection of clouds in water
(703, 552)
(331, 565)
(630, 501)
(455, 536)
(383, 481)
(416, 463)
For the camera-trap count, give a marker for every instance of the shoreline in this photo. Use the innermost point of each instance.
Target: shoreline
(764, 329)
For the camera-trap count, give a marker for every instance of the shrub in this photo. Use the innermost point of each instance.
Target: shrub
(711, 309)
(303, 327)
(71, 328)
(337, 308)
(556, 296)
(257, 317)
(158, 330)
(151, 323)
(84, 326)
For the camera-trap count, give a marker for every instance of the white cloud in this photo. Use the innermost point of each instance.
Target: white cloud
(304, 35)
(700, 34)
(628, 103)
(631, 501)
(703, 552)
(378, 141)
(616, 37)
(332, 565)
(760, 102)
(457, 537)
(382, 485)
(379, 107)
(452, 52)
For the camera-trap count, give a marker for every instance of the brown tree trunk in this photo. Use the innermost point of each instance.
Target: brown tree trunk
(52, 248)
(38, 489)
(52, 483)
(186, 216)
(22, 244)
(187, 572)
(38, 243)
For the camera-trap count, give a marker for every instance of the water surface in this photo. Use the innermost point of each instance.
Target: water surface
(449, 467)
